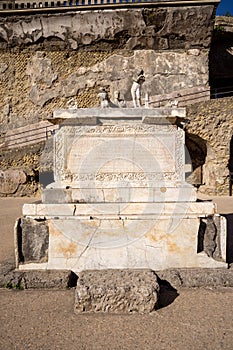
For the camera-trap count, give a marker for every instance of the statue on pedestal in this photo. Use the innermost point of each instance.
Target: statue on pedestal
(136, 89)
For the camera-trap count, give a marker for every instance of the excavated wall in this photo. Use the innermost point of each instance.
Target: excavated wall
(47, 59)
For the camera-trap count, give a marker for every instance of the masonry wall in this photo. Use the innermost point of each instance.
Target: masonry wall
(45, 60)
(208, 138)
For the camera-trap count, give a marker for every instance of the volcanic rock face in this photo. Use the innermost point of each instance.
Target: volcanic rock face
(158, 29)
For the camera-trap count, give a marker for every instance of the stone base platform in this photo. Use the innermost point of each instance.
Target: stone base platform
(122, 236)
(117, 291)
(37, 279)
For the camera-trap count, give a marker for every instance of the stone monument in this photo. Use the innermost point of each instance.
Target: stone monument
(119, 199)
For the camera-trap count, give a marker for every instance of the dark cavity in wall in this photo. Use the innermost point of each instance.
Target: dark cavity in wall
(196, 152)
(221, 63)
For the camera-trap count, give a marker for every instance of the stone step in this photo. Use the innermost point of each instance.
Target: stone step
(115, 210)
(37, 279)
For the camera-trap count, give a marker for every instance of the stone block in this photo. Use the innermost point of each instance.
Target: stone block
(116, 291)
(119, 199)
(32, 240)
(118, 194)
(38, 279)
(197, 277)
(121, 151)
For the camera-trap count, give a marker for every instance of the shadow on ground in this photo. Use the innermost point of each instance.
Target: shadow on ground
(167, 294)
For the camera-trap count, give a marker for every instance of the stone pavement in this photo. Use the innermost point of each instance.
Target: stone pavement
(197, 318)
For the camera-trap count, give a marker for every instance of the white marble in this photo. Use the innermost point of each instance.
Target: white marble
(120, 209)
(155, 249)
(117, 194)
(120, 199)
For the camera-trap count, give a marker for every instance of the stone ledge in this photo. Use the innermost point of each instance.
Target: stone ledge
(38, 279)
(61, 279)
(194, 278)
(41, 211)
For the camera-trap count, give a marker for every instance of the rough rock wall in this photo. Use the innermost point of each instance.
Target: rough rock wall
(158, 29)
(209, 135)
(47, 59)
(19, 172)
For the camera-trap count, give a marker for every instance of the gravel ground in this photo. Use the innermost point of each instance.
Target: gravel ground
(197, 319)
(44, 319)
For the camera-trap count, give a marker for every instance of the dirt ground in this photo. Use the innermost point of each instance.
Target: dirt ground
(44, 319)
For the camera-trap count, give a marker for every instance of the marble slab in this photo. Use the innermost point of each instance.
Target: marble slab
(155, 244)
(119, 156)
(119, 209)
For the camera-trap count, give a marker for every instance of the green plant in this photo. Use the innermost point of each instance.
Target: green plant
(16, 286)
(219, 28)
(8, 285)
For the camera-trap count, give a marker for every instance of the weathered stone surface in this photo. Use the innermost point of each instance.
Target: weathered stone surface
(36, 82)
(56, 279)
(33, 240)
(116, 291)
(221, 55)
(127, 166)
(145, 155)
(158, 28)
(163, 70)
(207, 236)
(25, 160)
(224, 22)
(61, 279)
(209, 122)
(193, 278)
(48, 69)
(10, 180)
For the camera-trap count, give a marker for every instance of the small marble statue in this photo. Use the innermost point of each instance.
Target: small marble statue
(72, 104)
(118, 101)
(174, 103)
(147, 100)
(136, 89)
(104, 99)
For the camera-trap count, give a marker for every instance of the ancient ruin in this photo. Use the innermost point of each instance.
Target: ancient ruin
(48, 58)
(119, 198)
(113, 89)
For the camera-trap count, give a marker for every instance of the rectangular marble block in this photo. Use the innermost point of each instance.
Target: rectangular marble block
(155, 244)
(119, 194)
(159, 114)
(126, 235)
(105, 210)
(119, 155)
